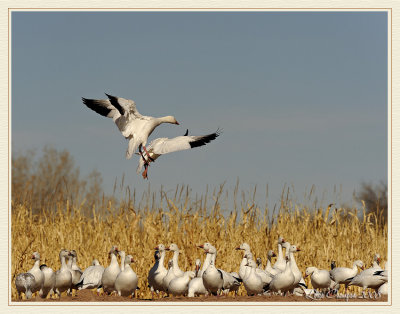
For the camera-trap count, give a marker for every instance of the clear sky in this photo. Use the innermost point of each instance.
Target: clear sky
(301, 96)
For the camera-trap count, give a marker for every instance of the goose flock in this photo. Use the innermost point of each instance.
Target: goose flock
(137, 128)
(280, 278)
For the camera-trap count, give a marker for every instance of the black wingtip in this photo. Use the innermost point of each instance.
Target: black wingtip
(186, 133)
(266, 287)
(378, 272)
(303, 285)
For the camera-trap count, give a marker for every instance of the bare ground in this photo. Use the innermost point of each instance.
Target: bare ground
(91, 296)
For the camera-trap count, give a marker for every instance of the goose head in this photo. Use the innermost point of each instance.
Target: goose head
(310, 271)
(114, 250)
(271, 254)
(251, 263)
(359, 264)
(160, 247)
(244, 246)
(197, 266)
(206, 246)
(35, 256)
(173, 247)
(281, 240)
(95, 262)
(64, 253)
(170, 119)
(128, 260)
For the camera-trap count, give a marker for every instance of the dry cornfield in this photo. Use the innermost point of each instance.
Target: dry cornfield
(323, 234)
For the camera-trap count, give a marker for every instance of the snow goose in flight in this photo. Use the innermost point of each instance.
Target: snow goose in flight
(343, 275)
(49, 281)
(37, 273)
(63, 275)
(164, 145)
(127, 280)
(158, 271)
(133, 126)
(91, 276)
(25, 283)
(111, 272)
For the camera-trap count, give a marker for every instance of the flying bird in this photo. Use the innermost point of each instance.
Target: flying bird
(164, 145)
(133, 126)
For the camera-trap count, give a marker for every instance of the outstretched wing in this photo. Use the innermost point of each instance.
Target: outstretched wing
(102, 106)
(165, 146)
(124, 105)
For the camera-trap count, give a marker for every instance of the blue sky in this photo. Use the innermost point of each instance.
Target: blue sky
(301, 96)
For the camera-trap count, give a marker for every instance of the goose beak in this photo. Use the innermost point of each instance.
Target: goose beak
(273, 254)
(305, 275)
(379, 259)
(177, 122)
(238, 248)
(283, 240)
(132, 260)
(201, 246)
(33, 257)
(298, 249)
(362, 267)
(167, 249)
(156, 248)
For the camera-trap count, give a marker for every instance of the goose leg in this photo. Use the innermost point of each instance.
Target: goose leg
(144, 174)
(147, 153)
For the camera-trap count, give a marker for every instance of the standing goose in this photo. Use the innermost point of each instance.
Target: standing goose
(49, 281)
(265, 277)
(243, 268)
(269, 268)
(283, 281)
(127, 280)
(133, 126)
(37, 273)
(111, 272)
(158, 271)
(196, 286)
(280, 263)
(175, 267)
(169, 276)
(76, 272)
(91, 276)
(298, 276)
(162, 146)
(63, 275)
(342, 275)
(320, 278)
(180, 285)
(24, 283)
(253, 283)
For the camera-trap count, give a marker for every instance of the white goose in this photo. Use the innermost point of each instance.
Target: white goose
(196, 286)
(243, 268)
(298, 276)
(91, 277)
(133, 126)
(283, 281)
(268, 267)
(212, 276)
(175, 267)
(162, 146)
(63, 275)
(24, 283)
(37, 273)
(320, 278)
(265, 277)
(111, 272)
(253, 283)
(158, 271)
(180, 285)
(342, 275)
(280, 263)
(169, 276)
(76, 272)
(127, 280)
(49, 281)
